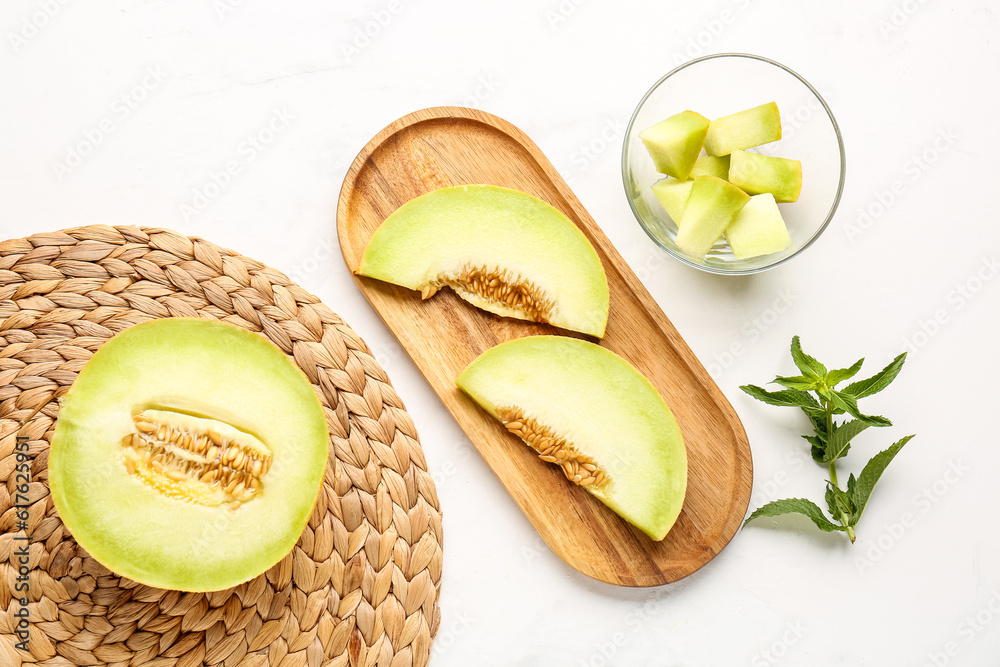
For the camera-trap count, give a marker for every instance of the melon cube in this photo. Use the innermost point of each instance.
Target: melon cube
(757, 174)
(710, 165)
(743, 129)
(673, 196)
(674, 143)
(711, 207)
(758, 229)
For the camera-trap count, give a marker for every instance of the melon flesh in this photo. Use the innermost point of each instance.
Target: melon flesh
(598, 406)
(757, 174)
(758, 229)
(712, 205)
(188, 374)
(710, 165)
(674, 143)
(743, 129)
(502, 250)
(672, 195)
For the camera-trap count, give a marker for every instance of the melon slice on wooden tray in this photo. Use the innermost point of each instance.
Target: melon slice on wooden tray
(501, 250)
(594, 415)
(447, 147)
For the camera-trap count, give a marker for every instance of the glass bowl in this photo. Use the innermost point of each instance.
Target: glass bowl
(721, 84)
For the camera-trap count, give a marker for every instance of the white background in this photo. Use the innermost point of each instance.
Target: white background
(914, 87)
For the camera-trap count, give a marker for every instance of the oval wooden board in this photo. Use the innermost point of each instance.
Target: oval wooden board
(444, 146)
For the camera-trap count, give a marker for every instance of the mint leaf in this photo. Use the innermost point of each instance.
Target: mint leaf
(795, 506)
(799, 382)
(806, 364)
(785, 397)
(877, 382)
(817, 447)
(839, 503)
(838, 375)
(840, 441)
(818, 420)
(847, 403)
(870, 475)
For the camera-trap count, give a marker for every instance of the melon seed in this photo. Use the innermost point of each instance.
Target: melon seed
(194, 459)
(500, 286)
(551, 448)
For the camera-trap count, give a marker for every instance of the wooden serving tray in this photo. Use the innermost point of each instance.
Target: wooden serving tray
(445, 146)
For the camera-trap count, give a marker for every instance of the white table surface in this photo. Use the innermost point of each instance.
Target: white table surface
(161, 96)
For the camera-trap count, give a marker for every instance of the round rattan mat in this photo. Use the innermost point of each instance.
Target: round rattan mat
(361, 586)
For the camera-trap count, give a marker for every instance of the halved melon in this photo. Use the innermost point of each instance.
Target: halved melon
(502, 250)
(188, 454)
(589, 411)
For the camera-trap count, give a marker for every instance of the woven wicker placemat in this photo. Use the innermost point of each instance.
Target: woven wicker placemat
(362, 584)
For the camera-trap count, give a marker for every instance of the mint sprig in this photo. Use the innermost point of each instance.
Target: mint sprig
(815, 393)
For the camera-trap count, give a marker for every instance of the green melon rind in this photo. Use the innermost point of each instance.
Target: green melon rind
(605, 407)
(211, 369)
(436, 233)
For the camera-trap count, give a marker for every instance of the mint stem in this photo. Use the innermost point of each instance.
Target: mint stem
(832, 466)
